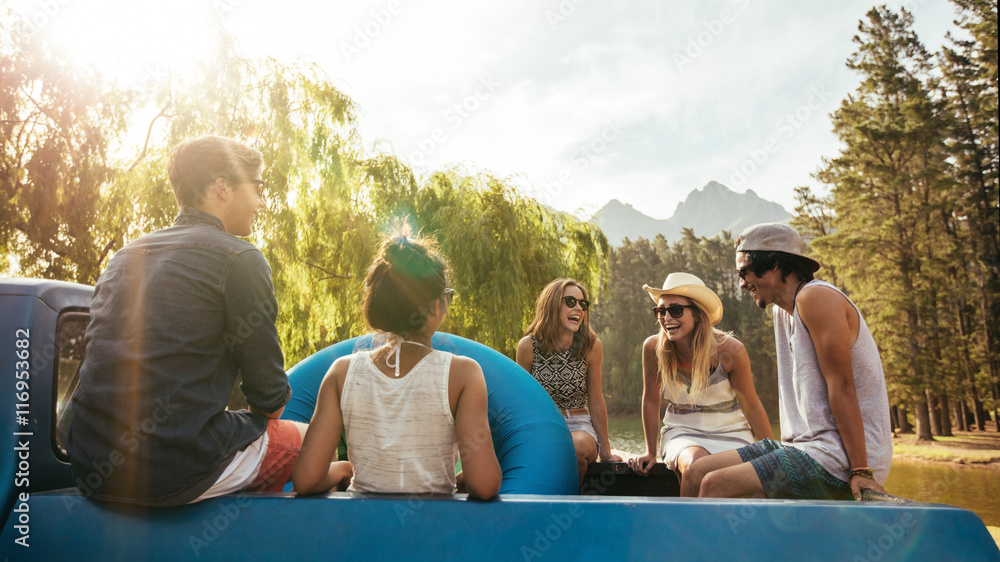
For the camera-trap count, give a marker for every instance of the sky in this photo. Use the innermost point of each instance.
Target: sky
(575, 101)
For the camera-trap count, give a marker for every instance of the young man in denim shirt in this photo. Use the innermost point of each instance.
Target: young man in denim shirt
(177, 315)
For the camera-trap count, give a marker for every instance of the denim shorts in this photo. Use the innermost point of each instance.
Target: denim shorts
(787, 473)
(583, 423)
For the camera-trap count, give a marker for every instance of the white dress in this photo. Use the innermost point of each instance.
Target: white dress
(714, 421)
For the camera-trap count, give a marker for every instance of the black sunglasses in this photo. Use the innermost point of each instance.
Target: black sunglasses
(742, 272)
(449, 295)
(571, 302)
(674, 310)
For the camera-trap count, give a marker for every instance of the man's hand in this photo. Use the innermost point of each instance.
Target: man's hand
(859, 483)
(610, 458)
(642, 465)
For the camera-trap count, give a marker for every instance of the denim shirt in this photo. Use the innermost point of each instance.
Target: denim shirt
(176, 316)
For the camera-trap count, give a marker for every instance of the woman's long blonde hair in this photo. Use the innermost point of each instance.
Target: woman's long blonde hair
(705, 345)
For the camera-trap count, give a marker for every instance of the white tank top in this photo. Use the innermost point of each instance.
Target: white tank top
(400, 432)
(806, 420)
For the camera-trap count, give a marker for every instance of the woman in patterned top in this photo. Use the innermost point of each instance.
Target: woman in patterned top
(704, 377)
(564, 355)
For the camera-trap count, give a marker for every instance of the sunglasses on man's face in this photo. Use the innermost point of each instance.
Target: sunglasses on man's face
(261, 186)
(571, 302)
(449, 295)
(674, 310)
(742, 272)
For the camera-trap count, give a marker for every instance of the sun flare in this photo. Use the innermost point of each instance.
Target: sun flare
(133, 42)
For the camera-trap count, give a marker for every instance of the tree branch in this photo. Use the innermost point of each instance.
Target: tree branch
(329, 273)
(149, 133)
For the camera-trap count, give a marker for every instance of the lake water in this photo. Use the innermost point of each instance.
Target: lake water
(969, 487)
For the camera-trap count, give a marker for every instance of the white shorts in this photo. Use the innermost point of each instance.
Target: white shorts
(241, 472)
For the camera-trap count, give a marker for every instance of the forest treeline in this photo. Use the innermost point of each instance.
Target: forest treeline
(909, 225)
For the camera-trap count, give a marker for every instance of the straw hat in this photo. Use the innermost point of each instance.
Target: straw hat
(689, 286)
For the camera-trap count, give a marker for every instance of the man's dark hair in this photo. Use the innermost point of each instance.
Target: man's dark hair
(761, 262)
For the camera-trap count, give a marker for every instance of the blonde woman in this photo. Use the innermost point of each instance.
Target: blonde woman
(563, 354)
(704, 377)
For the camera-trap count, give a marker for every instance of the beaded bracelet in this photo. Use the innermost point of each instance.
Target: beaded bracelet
(862, 471)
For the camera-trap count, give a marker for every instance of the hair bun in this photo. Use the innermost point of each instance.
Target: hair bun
(408, 256)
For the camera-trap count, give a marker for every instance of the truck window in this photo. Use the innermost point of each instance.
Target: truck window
(71, 348)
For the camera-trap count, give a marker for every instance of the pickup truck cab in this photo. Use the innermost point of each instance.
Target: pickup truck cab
(540, 511)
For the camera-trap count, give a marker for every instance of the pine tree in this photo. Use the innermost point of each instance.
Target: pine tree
(885, 188)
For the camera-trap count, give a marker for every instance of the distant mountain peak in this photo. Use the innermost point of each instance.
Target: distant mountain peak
(708, 211)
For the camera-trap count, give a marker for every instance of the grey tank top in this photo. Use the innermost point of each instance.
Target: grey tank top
(804, 407)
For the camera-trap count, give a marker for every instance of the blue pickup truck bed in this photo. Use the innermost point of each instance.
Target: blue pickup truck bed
(44, 518)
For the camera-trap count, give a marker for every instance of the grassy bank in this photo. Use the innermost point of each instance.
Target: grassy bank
(965, 447)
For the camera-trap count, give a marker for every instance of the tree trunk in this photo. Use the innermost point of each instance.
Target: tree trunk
(962, 416)
(945, 409)
(978, 411)
(934, 411)
(923, 416)
(977, 404)
(893, 414)
(903, 421)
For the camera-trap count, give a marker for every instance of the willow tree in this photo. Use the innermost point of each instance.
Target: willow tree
(60, 127)
(503, 249)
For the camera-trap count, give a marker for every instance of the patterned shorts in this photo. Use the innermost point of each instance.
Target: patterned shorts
(788, 473)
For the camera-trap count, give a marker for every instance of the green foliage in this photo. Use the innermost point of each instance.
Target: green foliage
(60, 127)
(913, 204)
(68, 205)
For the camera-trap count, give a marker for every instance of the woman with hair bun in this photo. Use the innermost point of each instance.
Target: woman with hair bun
(406, 408)
(704, 377)
(564, 355)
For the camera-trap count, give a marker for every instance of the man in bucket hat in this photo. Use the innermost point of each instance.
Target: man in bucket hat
(833, 405)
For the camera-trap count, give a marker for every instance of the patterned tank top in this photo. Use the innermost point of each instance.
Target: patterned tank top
(562, 376)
